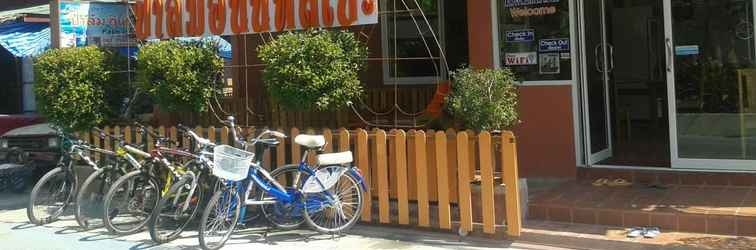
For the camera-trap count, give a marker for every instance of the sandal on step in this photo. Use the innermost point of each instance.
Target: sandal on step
(600, 182)
(619, 182)
(651, 232)
(636, 232)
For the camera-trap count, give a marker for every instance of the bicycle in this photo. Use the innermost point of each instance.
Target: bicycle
(180, 204)
(130, 202)
(308, 199)
(55, 191)
(90, 197)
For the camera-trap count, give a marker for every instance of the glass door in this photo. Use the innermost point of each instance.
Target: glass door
(711, 71)
(596, 70)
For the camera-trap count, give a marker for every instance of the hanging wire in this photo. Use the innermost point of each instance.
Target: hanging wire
(396, 109)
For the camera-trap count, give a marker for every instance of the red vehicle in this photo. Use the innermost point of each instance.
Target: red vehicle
(27, 148)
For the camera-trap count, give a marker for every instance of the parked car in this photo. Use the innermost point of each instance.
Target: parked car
(27, 153)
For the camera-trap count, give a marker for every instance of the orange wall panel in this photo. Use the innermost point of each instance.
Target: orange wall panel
(545, 138)
(480, 33)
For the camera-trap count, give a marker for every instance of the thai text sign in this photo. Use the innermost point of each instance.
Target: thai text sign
(181, 18)
(99, 24)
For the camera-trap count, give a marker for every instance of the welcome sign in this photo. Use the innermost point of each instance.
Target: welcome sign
(164, 19)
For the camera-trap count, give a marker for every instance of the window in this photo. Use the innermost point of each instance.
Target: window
(407, 58)
(534, 39)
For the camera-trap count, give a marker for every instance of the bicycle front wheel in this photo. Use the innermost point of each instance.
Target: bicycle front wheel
(50, 196)
(336, 209)
(175, 210)
(129, 203)
(89, 199)
(219, 218)
(285, 216)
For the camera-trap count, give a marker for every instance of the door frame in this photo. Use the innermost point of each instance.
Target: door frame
(676, 161)
(593, 158)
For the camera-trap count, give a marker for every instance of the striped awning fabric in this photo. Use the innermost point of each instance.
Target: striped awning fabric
(25, 39)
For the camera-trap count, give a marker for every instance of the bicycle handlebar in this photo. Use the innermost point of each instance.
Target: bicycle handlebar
(237, 139)
(201, 141)
(159, 138)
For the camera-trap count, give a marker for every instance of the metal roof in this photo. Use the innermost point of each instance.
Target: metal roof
(11, 15)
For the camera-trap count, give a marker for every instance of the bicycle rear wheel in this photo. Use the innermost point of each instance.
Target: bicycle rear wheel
(129, 203)
(175, 210)
(51, 195)
(336, 209)
(219, 218)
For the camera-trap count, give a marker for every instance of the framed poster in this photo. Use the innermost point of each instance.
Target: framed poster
(548, 63)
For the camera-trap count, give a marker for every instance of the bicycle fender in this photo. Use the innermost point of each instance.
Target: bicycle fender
(355, 172)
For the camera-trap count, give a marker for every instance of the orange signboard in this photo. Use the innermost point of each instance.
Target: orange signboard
(164, 19)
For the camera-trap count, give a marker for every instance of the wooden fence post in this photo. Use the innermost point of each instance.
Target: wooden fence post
(511, 182)
(329, 140)
(487, 182)
(138, 139)
(362, 151)
(344, 141)
(211, 134)
(383, 182)
(296, 155)
(106, 142)
(444, 211)
(451, 149)
(127, 134)
(224, 135)
(173, 136)
(463, 174)
(97, 142)
(400, 152)
(281, 151)
(421, 164)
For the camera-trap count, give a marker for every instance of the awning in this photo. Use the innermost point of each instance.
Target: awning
(224, 47)
(25, 39)
(31, 39)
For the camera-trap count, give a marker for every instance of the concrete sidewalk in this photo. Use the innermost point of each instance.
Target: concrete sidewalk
(17, 234)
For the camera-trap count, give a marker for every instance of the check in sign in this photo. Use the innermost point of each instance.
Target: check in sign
(519, 36)
(550, 45)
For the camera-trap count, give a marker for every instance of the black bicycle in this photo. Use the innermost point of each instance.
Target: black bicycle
(55, 191)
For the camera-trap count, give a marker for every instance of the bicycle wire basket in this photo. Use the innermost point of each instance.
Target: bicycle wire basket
(231, 163)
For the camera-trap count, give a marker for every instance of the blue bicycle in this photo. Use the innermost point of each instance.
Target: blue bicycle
(328, 196)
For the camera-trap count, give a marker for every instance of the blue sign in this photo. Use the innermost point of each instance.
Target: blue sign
(520, 36)
(551, 45)
(91, 23)
(687, 50)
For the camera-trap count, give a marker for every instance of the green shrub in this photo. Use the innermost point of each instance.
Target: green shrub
(71, 86)
(313, 70)
(484, 99)
(179, 76)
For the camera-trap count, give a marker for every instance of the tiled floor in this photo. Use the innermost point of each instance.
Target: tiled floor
(726, 210)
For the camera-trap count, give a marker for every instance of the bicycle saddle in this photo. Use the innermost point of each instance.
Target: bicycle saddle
(310, 141)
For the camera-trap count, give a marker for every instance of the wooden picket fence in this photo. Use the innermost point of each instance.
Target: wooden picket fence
(430, 179)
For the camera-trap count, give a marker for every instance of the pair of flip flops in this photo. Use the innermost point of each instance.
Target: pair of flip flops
(619, 182)
(646, 232)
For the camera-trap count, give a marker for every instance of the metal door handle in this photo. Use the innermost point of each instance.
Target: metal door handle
(611, 57)
(596, 56)
(670, 54)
